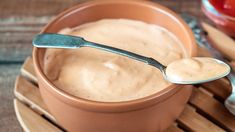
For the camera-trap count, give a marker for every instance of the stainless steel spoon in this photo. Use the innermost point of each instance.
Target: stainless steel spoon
(200, 36)
(73, 42)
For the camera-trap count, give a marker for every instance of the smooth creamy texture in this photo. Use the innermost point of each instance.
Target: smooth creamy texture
(195, 69)
(101, 76)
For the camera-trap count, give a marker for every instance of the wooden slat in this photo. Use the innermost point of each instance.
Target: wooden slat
(24, 20)
(220, 88)
(213, 109)
(27, 70)
(43, 7)
(221, 41)
(16, 36)
(21, 29)
(29, 94)
(34, 8)
(31, 121)
(173, 128)
(14, 53)
(192, 121)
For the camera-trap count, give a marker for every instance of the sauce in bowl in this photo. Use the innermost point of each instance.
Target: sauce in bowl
(97, 75)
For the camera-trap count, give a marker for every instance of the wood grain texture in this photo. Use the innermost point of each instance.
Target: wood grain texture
(221, 41)
(200, 117)
(26, 92)
(192, 121)
(31, 121)
(220, 88)
(34, 7)
(18, 25)
(16, 35)
(27, 70)
(174, 128)
(44, 8)
(213, 109)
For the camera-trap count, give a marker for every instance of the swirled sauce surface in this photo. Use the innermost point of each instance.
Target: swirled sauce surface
(101, 76)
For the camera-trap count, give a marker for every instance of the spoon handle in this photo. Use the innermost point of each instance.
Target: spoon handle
(72, 42)
(147, 60)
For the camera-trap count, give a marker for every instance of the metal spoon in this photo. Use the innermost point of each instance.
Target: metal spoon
(73, 42)
(200, 36)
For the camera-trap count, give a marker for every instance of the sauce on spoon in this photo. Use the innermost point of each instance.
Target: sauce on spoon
(197, 69)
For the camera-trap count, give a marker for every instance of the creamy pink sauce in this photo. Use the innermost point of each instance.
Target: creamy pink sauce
(101, 76)
(196, 69)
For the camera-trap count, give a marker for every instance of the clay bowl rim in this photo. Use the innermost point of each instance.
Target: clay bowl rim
(113, 106)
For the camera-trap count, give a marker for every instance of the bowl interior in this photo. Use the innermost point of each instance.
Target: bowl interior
(138, 10)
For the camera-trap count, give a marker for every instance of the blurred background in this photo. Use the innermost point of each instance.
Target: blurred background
(20, 20)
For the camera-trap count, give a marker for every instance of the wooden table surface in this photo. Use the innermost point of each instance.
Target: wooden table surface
(20, 20)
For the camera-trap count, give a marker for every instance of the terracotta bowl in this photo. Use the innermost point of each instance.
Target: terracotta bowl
(149, 114)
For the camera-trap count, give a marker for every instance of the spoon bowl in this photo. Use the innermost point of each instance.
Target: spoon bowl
(203, 79)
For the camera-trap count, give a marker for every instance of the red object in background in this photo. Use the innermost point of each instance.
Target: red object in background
(213, 10)
(224, 6)
(229, 7)
(218, 4)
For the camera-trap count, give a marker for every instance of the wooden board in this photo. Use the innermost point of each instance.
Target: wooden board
(204, 112)
(18, 25)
